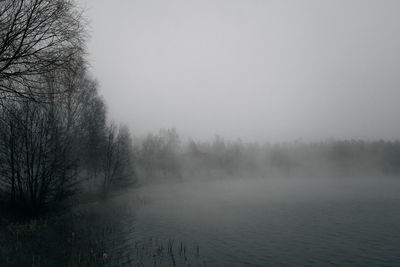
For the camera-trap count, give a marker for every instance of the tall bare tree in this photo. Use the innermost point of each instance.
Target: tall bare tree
(38, 37)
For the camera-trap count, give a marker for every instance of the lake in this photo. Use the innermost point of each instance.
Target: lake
(261, 222)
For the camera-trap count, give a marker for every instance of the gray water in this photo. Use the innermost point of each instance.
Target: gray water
(259, 222)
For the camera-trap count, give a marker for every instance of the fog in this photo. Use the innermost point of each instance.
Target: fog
(199, 133)
(259, 222)
(255, 70)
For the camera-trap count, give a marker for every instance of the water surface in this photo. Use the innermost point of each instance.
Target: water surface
(259, 222)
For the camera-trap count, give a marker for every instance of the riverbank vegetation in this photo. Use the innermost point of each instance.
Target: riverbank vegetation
(55, 138)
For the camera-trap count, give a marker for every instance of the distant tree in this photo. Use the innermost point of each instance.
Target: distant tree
(170, 149)
(159, 154)
(117, 158)
(149, 154)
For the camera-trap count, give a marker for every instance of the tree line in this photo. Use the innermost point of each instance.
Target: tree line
(54, 132)
(56, 139)
(164, 156)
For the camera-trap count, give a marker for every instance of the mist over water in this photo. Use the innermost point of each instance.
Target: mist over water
(262, 222)
(199, 133)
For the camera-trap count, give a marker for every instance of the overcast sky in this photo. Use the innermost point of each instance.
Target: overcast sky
(255, 70)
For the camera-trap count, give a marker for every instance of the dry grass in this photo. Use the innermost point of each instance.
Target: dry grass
(88, 237)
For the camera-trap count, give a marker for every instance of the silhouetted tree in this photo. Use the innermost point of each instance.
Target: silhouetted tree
(118, 157)
(38, 37)
(37, 163)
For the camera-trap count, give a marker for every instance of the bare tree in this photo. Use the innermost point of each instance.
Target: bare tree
(118, 157)
(158, 154)
(37, 163)
(88, 114)
(38, 37)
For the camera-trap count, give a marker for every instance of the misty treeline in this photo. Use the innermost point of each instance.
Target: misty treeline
(55, 139)
(165, 156)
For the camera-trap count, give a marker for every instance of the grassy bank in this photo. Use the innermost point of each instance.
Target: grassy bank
(92, 234)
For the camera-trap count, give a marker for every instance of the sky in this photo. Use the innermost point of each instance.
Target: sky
(255, 70)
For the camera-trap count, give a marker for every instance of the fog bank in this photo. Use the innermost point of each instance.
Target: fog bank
(256, 70)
